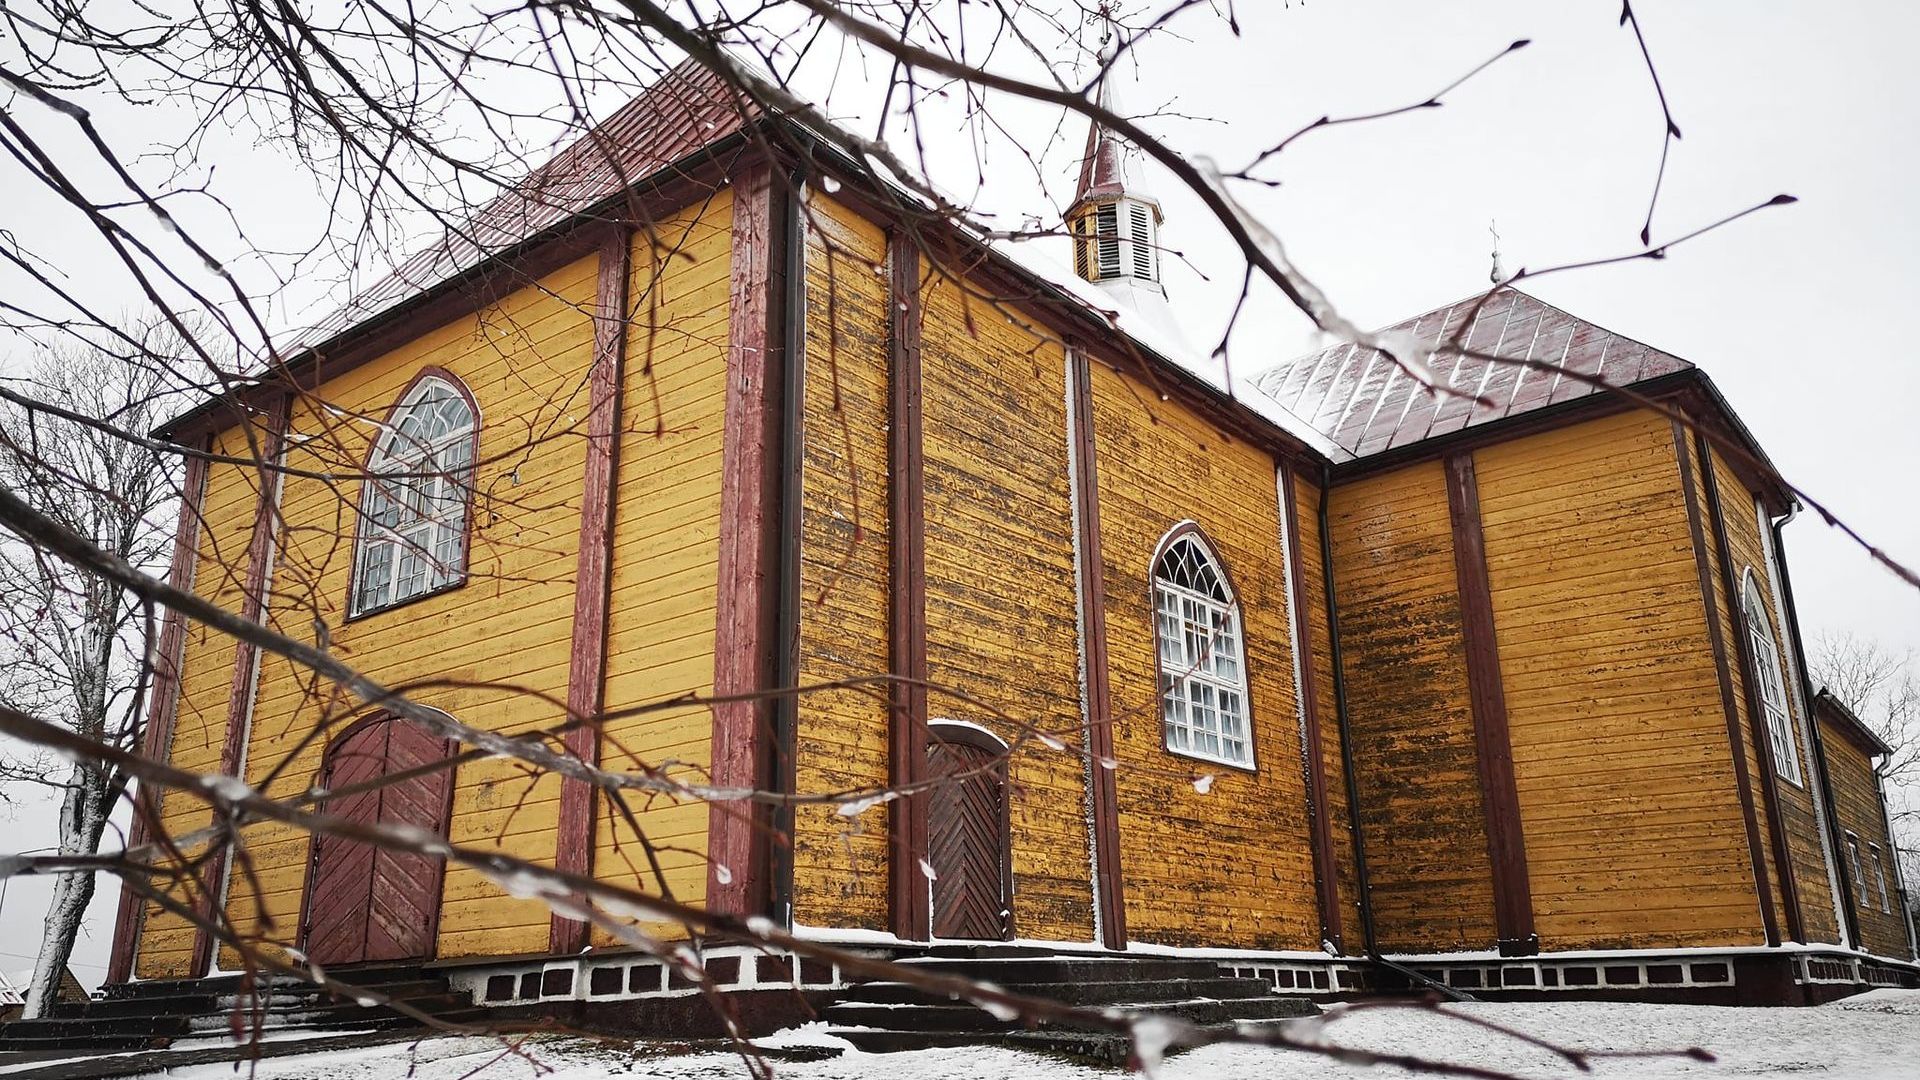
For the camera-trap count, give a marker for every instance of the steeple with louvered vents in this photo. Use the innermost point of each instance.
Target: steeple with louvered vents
(1114, 223)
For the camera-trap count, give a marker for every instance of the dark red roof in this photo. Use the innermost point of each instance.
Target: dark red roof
(1366, 403)
(687, 109)
(1103, 169)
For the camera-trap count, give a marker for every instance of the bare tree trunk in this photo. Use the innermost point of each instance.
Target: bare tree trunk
(83, 817)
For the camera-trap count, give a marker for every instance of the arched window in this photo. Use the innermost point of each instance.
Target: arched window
(1203, 678)
(1768, 680)
(413, 507)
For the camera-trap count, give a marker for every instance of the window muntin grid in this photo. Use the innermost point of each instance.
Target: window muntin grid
(1203, 681)
(1880, 878)
(413, 510)
(1771, 684)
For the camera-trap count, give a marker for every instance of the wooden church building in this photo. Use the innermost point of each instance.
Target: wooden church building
(1338, 681)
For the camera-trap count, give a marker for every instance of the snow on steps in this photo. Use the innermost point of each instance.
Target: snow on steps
(881, 1017)
(162, 1013)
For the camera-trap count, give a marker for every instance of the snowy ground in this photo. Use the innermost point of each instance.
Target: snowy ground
(1872, 1037)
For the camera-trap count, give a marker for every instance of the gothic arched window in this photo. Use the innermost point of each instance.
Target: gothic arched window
(416, 497)
(1203, 675)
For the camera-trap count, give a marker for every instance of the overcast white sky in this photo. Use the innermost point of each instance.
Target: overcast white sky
(1800, 314)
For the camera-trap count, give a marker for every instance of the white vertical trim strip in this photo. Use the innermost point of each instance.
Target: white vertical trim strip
(1077, 502)
(1798, 699)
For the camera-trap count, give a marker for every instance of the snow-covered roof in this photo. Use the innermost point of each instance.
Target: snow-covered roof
(1366, 402)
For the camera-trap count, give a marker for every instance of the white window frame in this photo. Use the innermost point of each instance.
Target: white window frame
(1213, 676)
(420, 548)
(1770, 681)
(1880, 878)
(1859, 877)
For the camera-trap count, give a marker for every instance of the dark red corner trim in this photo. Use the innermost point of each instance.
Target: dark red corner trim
(586, 669)
(246, 663)
(1716, 639)
(748, 601)
(1103, 792)
(910, 903)
(163, 703)
(1326, 870)
(1762, 738)
(1493, 747)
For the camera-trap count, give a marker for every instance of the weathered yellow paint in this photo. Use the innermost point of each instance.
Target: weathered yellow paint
(1856, 797)
(226, 524)
(1002, 644)
(1310, 593)
(525, 360)
(1408, 711)
(1627, 801)
(840, 863)
(1740, 513)
(1233, 863)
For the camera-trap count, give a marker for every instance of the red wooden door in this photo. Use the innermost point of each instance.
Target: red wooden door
(365, 903)
(967, 836)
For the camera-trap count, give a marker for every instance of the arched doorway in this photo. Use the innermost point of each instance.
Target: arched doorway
(367, 904)
(967, 837)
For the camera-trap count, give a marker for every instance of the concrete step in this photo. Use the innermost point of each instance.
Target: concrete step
(108, 1008)
(1071, 993)
(1012, 970)
(123, 1032)
(1101, 1049)
(314, 997)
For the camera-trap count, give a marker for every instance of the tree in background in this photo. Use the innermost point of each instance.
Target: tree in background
(1882, 687)
(72, 643)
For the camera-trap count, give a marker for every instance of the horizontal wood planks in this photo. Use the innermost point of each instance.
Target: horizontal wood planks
(746, 599)
(163, 700)
(1506, 843)
(1723, 623)
(1857, 802)
(1001, 627)
(1317, 673)
(586, 672)
(1619, 745)
(526, 361)
(1409, 712)
(666, 536)
(228, 511)
(841, 871)
(1796, 825)
(1232, 862)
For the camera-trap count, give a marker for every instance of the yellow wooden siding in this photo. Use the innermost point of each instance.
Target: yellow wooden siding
(1627, 800)
(525, 360)
(665, 569)
(840, 863)
(1731, 629)
(1001, 602)
(1797, 816)
(1233, 864)
(1311, 593)
(206, 673)
(1409, 713)
(1857, 800)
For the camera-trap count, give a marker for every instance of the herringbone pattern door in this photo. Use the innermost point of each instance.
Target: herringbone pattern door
(967, 841)
(372, 904)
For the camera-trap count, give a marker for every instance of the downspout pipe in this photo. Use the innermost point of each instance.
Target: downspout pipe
(786, 664)
(1836, 838)
(1349, 775)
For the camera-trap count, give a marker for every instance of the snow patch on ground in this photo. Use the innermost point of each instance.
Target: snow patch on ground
(1873, 1036)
